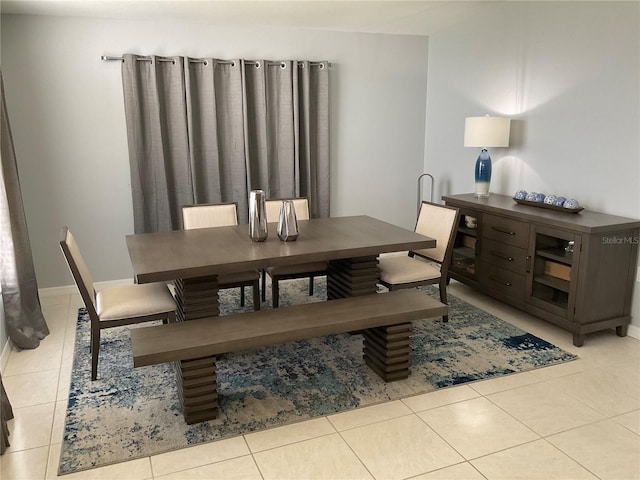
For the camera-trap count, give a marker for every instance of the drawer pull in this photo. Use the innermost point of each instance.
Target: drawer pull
(500, 255)
(508, 232)
(506, 284)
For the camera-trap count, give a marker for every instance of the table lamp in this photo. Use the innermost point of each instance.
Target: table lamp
(485, 132)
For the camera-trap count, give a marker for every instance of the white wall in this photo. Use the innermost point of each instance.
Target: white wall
(67, 116)
(568, 73)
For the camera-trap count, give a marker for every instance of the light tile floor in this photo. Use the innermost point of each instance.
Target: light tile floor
(579, 420)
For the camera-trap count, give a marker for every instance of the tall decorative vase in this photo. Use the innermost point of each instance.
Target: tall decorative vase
(483, 173)
(288, 222)
(257, 216)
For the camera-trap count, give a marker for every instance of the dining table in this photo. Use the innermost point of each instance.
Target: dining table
(192, 260)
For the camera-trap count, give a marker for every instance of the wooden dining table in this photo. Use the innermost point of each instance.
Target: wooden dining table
(193, 259)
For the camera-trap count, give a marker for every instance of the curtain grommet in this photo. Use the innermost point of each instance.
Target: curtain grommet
(283, 65)
(257, 64)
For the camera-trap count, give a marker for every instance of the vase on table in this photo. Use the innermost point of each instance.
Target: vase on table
(257, 216)
(288, 222)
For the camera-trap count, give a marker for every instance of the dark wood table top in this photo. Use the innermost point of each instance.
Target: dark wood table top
(201, 252)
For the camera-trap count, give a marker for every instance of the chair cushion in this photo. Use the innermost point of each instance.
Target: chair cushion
(229, 278)
(301, 268)
(396, 270)
(131, 301)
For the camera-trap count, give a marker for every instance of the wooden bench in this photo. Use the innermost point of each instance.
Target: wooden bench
(384, 319)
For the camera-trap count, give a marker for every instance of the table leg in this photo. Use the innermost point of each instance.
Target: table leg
(197, 378)
(352, 277)
(197, 298)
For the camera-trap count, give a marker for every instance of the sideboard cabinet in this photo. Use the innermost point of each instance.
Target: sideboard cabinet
(576, 270)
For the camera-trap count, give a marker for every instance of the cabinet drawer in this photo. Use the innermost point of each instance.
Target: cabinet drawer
(505, 230)
(502, 281)
(504, 255)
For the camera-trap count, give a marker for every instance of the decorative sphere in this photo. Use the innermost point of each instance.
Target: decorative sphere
(539, 197)
(521, 195)
(571, 203)
(559, 201)
(550, 199)
(531, 196)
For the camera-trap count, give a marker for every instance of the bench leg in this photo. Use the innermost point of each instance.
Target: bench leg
(198, 389)
(387, 351)
(197, 378)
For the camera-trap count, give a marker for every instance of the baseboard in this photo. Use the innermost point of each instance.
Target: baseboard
(4, 356)
(55, 291)
(71, 289)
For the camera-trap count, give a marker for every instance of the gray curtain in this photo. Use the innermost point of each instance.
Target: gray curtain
(155, 109)
(23, 317)
(209, 131)
(216, 131)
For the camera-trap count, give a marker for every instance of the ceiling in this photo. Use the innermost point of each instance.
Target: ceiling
(415, 17)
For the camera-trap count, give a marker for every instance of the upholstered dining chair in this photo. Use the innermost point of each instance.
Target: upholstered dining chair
(310, 270)
(115, 306)
(427, 266)
(223, 215)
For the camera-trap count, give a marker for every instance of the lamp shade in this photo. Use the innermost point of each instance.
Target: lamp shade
(486, 131)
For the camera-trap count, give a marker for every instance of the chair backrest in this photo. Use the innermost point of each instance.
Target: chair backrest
(300, 204)
(439, 222)
(79, 270)
(209, 215)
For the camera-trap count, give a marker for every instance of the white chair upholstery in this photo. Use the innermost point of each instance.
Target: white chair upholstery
(125, 302)
(223, 215)
(115, 306)
(311, 270)
(209, 215)
(436, 221)
(426, 266)
(405, 269)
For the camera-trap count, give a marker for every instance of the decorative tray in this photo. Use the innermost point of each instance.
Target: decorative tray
(547, 206)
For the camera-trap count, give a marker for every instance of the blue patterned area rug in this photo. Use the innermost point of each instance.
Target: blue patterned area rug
(129, 413)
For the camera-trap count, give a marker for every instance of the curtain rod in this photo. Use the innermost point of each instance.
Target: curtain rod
(107, 58)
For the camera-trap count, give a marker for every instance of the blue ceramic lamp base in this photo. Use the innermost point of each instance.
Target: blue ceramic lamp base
(483, 174)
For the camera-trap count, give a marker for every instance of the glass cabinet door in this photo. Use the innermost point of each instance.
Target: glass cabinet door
(553, 264)
(466, 249)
